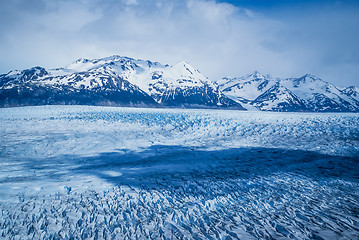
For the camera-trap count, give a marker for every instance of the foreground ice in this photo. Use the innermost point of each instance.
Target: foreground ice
(114, 173)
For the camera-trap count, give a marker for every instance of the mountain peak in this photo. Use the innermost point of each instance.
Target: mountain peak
(256, 75)
(183, 64)
(34, 72)
(311, 77)
(185, 69)
(81, 60)
(115, 58)
(306, 79)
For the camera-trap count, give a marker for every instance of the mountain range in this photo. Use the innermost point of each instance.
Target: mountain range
(124, 81)
(306, 94)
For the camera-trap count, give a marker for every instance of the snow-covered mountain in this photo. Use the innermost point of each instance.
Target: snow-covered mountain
(306, 93)
(114, 80)
(181, 84)
(124, 81)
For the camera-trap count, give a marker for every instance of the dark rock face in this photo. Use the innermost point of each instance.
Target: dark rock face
(204, 96)
(40, 95)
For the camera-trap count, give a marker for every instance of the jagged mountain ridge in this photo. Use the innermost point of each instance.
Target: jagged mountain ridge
(306, 94)
(114, 81)
(124, 81)
(75, 88)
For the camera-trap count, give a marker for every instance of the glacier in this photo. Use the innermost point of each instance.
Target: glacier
(90, 172)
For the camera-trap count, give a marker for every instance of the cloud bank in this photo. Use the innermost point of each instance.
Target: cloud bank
(219, 38)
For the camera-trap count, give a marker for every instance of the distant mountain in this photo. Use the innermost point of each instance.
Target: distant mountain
(124, 81)
(113, 81)
(306, 94)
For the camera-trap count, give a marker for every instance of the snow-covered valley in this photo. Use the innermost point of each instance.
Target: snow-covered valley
(70, 172)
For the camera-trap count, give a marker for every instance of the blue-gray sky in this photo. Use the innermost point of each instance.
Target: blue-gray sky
(285, 38)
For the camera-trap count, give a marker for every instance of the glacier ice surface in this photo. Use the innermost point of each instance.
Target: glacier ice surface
(125, 173)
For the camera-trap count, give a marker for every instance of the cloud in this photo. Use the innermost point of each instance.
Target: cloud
(218, 38)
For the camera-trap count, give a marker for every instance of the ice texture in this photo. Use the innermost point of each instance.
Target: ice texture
(70, 172)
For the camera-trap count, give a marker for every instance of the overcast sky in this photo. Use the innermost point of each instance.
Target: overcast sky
(285, 38)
